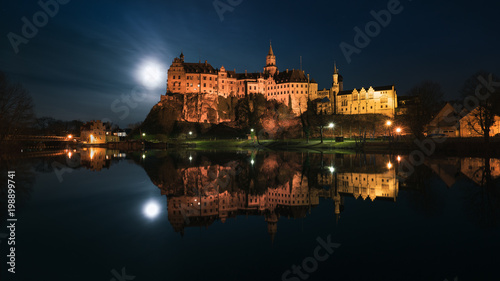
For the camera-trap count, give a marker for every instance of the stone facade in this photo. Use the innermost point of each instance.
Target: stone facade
(93, 132)
(372, 100)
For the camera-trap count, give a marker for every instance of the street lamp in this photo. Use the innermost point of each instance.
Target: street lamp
(331, 126)
(388, 124)
(398, 130)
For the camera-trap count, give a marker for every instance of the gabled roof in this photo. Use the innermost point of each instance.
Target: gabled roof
(254, 75)
(376, 89)
(290, 76)
(198, 68)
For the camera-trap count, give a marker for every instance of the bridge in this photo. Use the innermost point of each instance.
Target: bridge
(44, 138)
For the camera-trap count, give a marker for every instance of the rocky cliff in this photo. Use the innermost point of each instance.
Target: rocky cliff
(177, 113)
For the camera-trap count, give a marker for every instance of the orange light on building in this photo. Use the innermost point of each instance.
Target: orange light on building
(70, 137)
(91, 138)
(399, 158)
(388, 123)
(389, 165)
(70, 154)
(398, 130)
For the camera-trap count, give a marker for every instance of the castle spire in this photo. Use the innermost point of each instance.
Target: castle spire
(271, 53)
(335, 70)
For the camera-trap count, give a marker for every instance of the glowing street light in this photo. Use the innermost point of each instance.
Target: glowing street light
(398, 130)
(331, 125)
(388, 124)
(399, 158)
(332, 169)
(143, 134)
(190, 133)
(70, 137)
(389, 165)
(252, 162)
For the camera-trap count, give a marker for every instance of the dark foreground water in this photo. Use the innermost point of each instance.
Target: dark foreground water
(186, 215)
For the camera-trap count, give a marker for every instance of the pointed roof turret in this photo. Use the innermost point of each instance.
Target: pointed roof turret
(335, 70)
(271, 53)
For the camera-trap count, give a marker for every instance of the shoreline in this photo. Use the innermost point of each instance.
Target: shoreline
(427, 147)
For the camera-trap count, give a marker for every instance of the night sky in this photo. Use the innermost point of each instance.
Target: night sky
(91, 54)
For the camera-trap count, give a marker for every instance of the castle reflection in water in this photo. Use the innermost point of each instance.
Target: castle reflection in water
(202, 188)
(271, 185)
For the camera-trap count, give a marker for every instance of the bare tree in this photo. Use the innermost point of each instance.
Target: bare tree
(428, 95)
(16, 108)
(480, 93)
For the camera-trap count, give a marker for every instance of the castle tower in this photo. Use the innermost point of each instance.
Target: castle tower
(270, 62)
(336, 84)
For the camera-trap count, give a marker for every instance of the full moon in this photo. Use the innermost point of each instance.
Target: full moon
(151, 210)
(151, 74)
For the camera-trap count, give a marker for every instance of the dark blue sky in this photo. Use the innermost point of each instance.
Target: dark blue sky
(86, 60)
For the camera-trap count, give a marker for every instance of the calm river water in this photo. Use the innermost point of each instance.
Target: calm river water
(99, 214)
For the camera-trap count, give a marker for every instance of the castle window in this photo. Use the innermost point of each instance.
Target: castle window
(204, 84)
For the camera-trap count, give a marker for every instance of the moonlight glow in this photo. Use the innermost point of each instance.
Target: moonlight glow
(151, 74)
(151, 210)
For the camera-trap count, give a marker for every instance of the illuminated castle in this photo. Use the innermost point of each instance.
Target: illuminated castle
(290, 87)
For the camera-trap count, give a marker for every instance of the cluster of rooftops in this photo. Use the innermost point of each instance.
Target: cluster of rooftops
(294, 75)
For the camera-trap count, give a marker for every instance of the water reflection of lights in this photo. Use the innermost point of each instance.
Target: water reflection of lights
(70, 154)
(151, 210)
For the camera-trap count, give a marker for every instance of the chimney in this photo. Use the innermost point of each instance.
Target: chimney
(206, 63)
